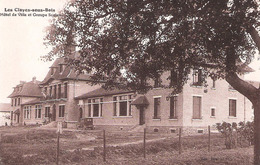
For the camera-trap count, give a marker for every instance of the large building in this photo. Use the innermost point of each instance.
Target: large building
(66, 96)
(52, 99)
(193, 109)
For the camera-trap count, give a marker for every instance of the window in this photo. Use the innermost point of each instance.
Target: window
(12, 104)
(156, 108)
(157, 82)
(213, 83)
(115, 106)
(122, 105)
(61, 68)
(174, 78)
(50, 90)
(95, 107)
(15, 101)
(213, 112)
(45, 90)
(19, 101)
(196, 107)
(197, 77)
(52, 71)
(130, 106)
(89, 108)
(59, 91)
(232, 107)
(61, 110)
(47, 111)
(173, 107)
(55, 91)
(65, 90)
(27, 112)
(38, 111)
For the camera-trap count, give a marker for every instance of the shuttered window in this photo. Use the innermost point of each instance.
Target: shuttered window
(232, 107)
(156, 108)
(173, 107)
(196, 107)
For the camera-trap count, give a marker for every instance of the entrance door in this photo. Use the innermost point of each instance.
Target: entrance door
(141, 117)
(54, 112)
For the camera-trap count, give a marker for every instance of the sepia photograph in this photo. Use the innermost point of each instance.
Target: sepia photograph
(169, 82)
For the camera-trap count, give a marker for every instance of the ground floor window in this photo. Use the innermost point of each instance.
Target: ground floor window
(95, 107)
(173, 107)
(122, 105)
(27, 112)
(47, 111)
(157, 103)
(213, 112)
(196, 107)
(38, 111)
(232, 107)
(61, 110)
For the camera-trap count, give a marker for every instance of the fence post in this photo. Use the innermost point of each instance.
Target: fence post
(144, 143)
(180, 142)
(58, 147)
(209, 147)
(104, 145)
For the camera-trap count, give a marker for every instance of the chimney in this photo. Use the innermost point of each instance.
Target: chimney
(34, 79)
(22, 82)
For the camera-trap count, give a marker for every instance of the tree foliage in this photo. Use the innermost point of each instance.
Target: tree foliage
(132, 41)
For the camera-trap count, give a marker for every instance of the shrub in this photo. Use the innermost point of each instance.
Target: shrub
(228, 130)
(246, 130)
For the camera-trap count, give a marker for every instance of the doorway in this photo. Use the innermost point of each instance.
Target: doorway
(142, 116)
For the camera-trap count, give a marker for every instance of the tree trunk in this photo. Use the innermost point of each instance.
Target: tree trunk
(256, 105)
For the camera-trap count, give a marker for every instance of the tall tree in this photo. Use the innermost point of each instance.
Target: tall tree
(132, 41)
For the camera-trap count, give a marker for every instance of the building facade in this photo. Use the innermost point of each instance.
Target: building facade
(193, 109)
(55, 97)
(22, 93)
(66, 96)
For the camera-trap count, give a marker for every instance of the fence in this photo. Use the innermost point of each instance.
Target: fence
(111, 143)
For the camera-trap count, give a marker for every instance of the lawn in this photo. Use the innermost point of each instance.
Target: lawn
(30, 145)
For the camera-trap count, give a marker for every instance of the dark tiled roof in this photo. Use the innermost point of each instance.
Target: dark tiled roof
(141, 100)
(5, 107)
(35, 101)
(67, 73)
(30, 89)
(255, 83)
(103, 92)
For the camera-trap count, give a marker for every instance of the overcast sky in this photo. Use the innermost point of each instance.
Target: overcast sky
(21, 44)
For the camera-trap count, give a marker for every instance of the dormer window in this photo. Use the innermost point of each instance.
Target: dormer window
(61, 68)
(197, 77)
(157, 82)
(52, 71)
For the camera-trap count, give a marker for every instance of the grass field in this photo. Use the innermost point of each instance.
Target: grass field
(30, 145)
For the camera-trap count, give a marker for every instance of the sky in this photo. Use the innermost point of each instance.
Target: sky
(21, 43)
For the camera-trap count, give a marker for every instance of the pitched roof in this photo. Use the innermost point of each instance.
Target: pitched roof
(254, 83)
(141, 100)
(30, 89)
(67, 73)
(103, 92)
(5, 107)
(35, 101)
